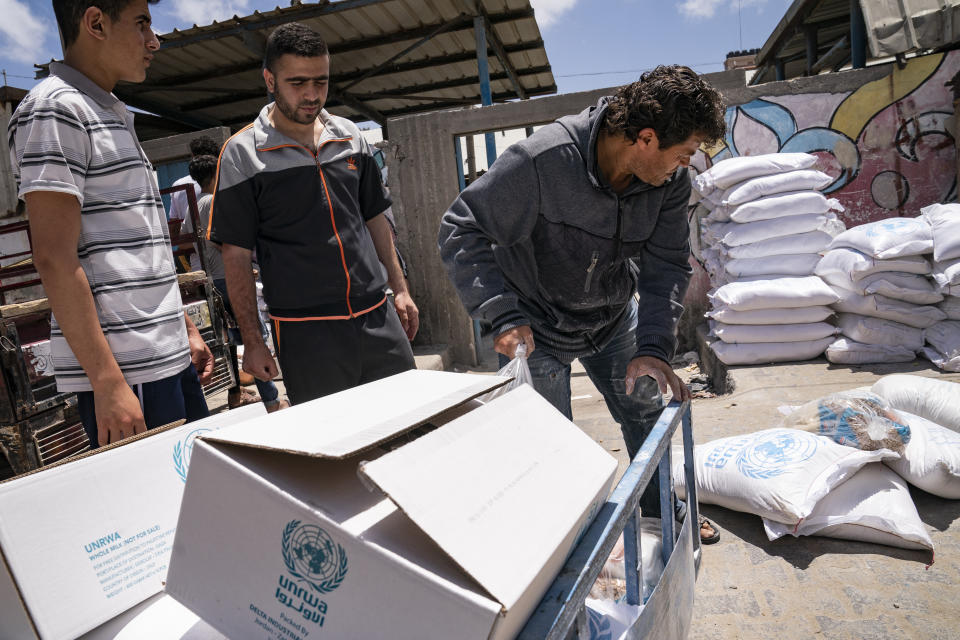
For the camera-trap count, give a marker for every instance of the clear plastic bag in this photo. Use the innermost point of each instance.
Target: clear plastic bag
(518, 369)
(856, 418)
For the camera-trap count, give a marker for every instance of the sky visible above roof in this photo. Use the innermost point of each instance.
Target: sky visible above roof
(590, 43)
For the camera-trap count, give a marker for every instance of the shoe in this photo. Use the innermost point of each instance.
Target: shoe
(241, 398)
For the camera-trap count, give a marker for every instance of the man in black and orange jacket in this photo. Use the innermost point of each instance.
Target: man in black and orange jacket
(301, 187)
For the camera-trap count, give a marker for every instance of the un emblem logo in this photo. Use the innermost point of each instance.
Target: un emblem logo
(182, 452)
(776, 453)
(599, 626)
(312, 556)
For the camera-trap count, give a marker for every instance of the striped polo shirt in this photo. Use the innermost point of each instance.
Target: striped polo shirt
(71, 136)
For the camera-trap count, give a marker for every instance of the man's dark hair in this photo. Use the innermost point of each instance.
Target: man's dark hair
(69, 13)
(295, 38)
(204, 146)
(673, 101)
(203, 168)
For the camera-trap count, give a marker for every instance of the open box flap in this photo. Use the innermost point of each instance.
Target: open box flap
(499, 489)
(346, 423)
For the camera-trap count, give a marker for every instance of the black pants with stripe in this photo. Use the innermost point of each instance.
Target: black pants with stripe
(320, 357)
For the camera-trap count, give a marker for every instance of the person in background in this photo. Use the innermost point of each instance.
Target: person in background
(180, 205)
(302, 187)
(203, 170)
(119, 336)
(551, 246)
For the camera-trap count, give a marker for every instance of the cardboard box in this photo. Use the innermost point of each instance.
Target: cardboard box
(157, 618)
(322, 522)
(86, 540)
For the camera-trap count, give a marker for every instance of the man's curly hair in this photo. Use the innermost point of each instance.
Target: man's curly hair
(673, 101)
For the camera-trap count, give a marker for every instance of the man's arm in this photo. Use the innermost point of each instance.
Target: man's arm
(382, 235)
(200, 353)
(238, 268)
(55, 231)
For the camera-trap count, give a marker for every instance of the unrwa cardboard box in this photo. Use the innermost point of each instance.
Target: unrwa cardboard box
(86, 540)
(323, 522)
(159, 617)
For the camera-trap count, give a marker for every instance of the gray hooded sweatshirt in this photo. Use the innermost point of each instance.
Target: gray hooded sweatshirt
(542, 240)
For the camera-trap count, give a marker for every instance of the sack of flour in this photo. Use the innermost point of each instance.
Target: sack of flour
(771, 316)
(743, 333)
(951, 307)
(851, 352)
(754, 188)
(782, 205)
(731, 171)
(777, 293)
(855, 265)
(935, 400)
(946, 273)
(801, 264)
(734, 234)
(931, 460)
(877, 306)
(778, 474)
(944, 220)
(807, 242)
(889, 238)
(768, 352)
(873, 506)
(944, 349)
(880, 331)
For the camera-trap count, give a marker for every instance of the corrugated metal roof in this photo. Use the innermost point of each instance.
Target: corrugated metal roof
(211, 75)
(893, 27)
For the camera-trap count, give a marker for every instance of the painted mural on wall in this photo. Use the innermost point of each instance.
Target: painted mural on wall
(886, 143)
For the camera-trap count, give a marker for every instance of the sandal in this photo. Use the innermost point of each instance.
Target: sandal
(241, 399)
(712, 535)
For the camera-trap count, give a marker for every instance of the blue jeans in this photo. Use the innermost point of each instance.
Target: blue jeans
(267, 389)
(636, 413)
(175, 398)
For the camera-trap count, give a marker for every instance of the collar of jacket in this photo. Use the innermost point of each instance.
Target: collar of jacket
(267, 137)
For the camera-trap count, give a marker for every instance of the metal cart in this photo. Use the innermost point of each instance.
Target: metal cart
(667, 612)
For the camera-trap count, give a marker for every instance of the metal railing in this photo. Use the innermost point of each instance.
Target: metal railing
(562, 614)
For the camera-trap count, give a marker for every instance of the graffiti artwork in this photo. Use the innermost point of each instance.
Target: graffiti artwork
(887, 143)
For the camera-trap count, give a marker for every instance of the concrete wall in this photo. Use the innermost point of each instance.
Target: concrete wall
(8, 187)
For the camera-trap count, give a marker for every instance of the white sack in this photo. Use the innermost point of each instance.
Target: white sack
(942, 361)
(801, 180)
(946, 273)
(734, 234)
(930, 398)
(807, 242)
(890, 238)
(872, 506)
(771, 316)
(783, 205)
(907, 287)
(944, 338)
(767, 352)
(801, 264)
(855, 265)
(877, 306)
(778, 474)
(774, 294)
(847, 351)
(951, 307)
(944, 219)
(931, 460)
(879, 331)
(748, 334)
(731, 171)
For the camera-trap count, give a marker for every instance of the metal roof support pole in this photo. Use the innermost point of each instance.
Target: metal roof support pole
(483, 71)
(781, 72)
(810, 31)
(858, 36)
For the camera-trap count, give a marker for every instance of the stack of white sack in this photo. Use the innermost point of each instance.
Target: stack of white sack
(943, 338)
(886, 298)
(760, 243)
(771, 320)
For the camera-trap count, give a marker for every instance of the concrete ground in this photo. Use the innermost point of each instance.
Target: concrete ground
(798, 588)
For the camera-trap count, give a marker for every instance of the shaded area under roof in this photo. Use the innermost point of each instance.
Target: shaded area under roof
(388, 58)
(819, 35)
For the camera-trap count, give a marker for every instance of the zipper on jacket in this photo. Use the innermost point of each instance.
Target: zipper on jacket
(590, 270)
(616, 234)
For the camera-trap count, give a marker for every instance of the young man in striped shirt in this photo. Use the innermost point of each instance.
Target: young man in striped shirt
(119, 336)
(302, 188)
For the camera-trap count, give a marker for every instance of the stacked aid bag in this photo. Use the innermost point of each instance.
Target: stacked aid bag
(943, 339)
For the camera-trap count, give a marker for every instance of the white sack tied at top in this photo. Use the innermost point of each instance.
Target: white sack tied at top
(889, 238)
(731, 171)
(944, 220)
(931, 460)
(755, 188)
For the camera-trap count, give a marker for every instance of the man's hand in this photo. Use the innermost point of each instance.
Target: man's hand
(258, 362)
(508, 341)
(659, 371)
(408, 312)
(199, 352)
(118, 412)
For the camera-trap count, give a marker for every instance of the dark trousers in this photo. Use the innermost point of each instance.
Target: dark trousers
(320, 357)
(179, 397)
